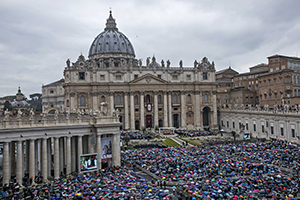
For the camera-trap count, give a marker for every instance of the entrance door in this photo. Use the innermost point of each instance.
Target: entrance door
(176, 120)
(148, 121)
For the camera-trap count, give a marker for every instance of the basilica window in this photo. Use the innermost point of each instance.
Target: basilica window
(136, 76)
(81, 76)
(118, 100)
(205, 76)
(175, 98)
(205, 98)
(68, 103)
(174, 77)
(189, 99)
(159, 76)
(102, 77)
(188, 77)
(102, 98)
(159, 99)
(136, 100)
(118, 77)
(148, 98)
(82, 100)
(51, 91)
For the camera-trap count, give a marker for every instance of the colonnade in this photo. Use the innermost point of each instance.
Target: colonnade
(53, 155)
(168, 105)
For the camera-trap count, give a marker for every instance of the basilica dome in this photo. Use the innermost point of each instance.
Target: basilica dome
(111, 41)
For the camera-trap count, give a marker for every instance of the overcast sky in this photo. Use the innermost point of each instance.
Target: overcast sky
(37, 37)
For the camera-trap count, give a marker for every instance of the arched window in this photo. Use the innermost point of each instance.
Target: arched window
(136, 100)
(295, 93)
(102, 98)
(294, 79)
(298, 79)
(175, 98)
(159, 99)
(205, 98)
(299, 92)
(82, 100)
(68, 103)
(189, 99)
(118, 100)
(148, 98)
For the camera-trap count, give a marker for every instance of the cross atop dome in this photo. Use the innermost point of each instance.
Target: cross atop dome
(111, 23)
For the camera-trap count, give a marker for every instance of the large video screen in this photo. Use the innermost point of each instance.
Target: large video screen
(88, 162)
(106, 149)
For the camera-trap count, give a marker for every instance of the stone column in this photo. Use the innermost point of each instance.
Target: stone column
(215, 113)
(62, 154)
(201, 112)
(126, 106)
(19, 173)
(155, 110)
(142, 110)
(95, 102)
(170, 109)
(44, 159)
(32, 159)
(6, 164)
(99, 151)
(165, 109)
(111, 102)
(68, 171)
(197, 109)
(182, 109)
(12, 158)
(56, 158)
(132, 127)
(116, 157)
(49, 157)
(27, 155)
(79, 142)
(73, 154)
(73, 104)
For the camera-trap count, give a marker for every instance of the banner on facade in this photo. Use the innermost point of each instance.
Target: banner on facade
(88, 162)
(106, 149)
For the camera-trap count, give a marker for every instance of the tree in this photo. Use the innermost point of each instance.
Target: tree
(7, 105)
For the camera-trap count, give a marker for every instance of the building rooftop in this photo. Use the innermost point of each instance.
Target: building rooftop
(250, 73)
(282, 56)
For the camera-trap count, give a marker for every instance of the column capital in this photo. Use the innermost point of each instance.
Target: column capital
(126, 92)
(72, 94)
(165, 92)
(132, 92)
(111, 93)
(214, 92)
(94, 94)
(142, 93)
(197, 92)
(183, 92)
(155, 92)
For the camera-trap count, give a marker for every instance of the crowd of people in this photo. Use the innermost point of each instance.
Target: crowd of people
(213, 171)
(109, 183)
(139, 135)
(218, 171)
(194, 133)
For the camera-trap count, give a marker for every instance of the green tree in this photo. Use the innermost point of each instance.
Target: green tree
(7, 105)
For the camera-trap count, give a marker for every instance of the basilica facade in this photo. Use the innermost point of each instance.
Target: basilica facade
(144, 95)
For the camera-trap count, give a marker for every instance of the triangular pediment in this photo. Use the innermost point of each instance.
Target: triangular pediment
(148, 79)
